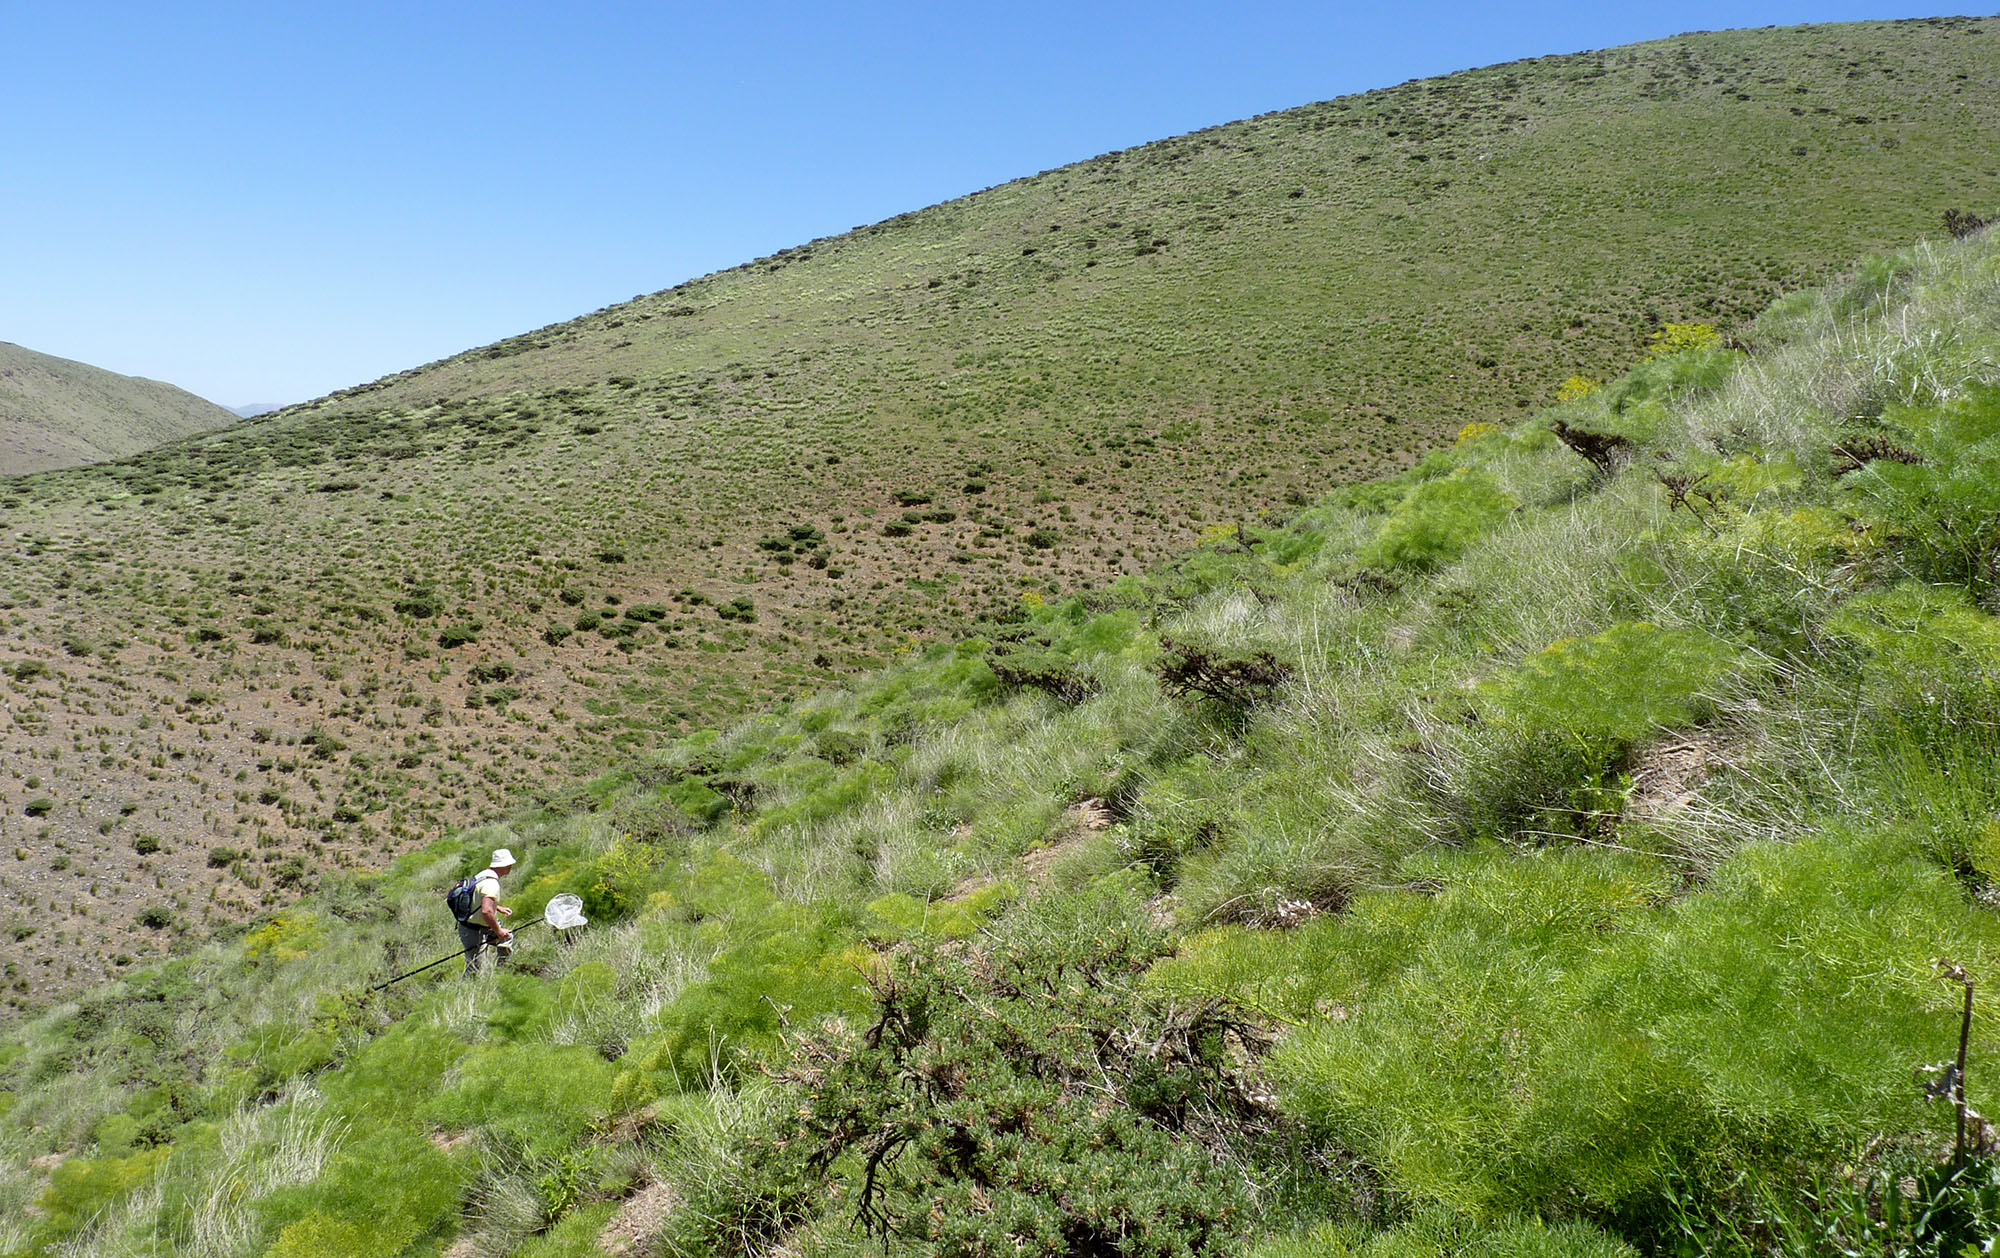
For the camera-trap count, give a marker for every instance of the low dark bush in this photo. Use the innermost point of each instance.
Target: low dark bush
(1018, 1101)
(1023, 657)
(421, 602)
(1236, 680)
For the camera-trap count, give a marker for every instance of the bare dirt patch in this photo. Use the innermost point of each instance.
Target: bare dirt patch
(1667, 778)
(1080, 821)
(637, 1221)
(445, 1142)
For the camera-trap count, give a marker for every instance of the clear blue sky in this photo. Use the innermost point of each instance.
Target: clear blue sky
(263, 202)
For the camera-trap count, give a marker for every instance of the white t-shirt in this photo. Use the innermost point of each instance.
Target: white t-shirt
(485, 883)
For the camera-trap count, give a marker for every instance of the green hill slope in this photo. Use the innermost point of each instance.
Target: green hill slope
(1567, 846)
(309, 640)
(55, 413)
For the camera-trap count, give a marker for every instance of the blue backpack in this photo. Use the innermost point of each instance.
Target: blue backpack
(463, 899)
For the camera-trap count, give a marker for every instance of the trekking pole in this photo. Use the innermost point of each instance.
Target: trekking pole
(562, 913)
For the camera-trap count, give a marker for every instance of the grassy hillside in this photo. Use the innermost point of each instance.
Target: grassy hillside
(1580, 843)
(56, 413)
(309, 641)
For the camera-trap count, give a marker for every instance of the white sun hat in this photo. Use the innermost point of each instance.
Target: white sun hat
(501, 858)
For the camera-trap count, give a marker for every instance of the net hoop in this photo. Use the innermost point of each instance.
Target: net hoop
(564, 912)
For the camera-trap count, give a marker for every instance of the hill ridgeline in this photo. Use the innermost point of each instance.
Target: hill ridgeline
(55, 413)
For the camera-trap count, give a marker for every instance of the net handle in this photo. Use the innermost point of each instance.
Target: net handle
(562, 913)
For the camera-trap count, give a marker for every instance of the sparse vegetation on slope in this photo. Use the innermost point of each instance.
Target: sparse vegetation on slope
(314, 638)
(56, 413)
(1592, 879)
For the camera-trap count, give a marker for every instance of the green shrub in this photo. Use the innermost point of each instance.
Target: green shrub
(575, 1236)
(774, 962)
(1543, 1034)
(837, 793)
(619, 881)
(1043, 655)
(1616, 687)
(1436, 522)
(1235, 680)
(1442, 1234)
(80, 1188)
(1187, 807)
(1870, 286)
(283, 1050)
(1014, 1101)
(422, 603)
(898, 917)
(408, 1060)
(539, 1096)
(1557, 726)
(1945, 509)
(383, 1190)
(1928, 674)
(694, 797)
(458, 635)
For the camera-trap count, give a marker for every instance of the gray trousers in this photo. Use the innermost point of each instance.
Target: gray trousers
(475, 939)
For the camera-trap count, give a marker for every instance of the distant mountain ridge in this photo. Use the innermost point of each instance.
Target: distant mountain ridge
(57, 413)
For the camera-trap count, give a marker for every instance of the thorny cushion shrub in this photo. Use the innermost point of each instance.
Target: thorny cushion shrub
(1017, 1099)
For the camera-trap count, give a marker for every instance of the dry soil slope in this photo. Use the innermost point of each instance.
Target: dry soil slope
(55, 413)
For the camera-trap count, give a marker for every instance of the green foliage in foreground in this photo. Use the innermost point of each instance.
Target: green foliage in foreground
(1568, 877)
(1014, 1099)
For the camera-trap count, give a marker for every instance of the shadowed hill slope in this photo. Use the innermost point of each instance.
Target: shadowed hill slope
(309, 639)
(55, 413)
